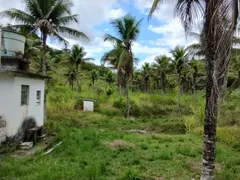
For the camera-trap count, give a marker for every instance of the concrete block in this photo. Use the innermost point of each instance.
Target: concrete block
(26, 145)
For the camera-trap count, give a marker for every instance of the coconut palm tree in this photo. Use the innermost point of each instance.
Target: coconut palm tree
(48, 16)
(109, 78)
(161, 67)
(75, 57)
(146, 73)
(71, 77)
(179, 60)
(219, 25)
(112, 58)
(127, 29)
(93, 76)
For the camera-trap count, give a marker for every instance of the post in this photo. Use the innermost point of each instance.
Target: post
(0, 47)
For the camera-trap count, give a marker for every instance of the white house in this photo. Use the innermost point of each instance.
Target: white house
(21, 92)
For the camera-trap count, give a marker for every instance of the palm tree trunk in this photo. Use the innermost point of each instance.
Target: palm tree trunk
(44, 70)
(44, 61)
(179, 94)
(212, 96)
(119, 79)
(127, 99)
(163, 88)
(77, 86)
(179, 101)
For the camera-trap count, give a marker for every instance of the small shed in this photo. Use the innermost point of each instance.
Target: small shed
(88, 104)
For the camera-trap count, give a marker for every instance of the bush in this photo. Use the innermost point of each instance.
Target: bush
(121, 104)
(227, 135)
(170, 128)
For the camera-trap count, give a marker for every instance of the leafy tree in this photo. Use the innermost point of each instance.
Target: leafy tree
(127, 29)
(50, 17)
(219, 24)
(75, 57)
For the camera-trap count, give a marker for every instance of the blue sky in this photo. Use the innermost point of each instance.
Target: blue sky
(157, 36)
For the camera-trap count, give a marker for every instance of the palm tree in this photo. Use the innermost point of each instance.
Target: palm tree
(179, 60)
(50, 17)
(220, 22)
(161, 65)
(75, 57)
(127, 29)
(112, 58)
(146, 73)
(71, 77)
(94, 77)
(109, 78)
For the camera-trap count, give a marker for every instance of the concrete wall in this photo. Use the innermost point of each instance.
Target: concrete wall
(34, 108)
(11, 110)
(7, 105)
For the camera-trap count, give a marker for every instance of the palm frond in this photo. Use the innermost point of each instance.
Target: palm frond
(154, 7)
(188, 11)
(112, 39)
(19, 15)
(71, 33)
(68, 19)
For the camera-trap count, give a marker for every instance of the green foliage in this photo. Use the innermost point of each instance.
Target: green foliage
(60, 98)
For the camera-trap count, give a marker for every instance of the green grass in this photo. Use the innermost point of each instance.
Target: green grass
(83, 154)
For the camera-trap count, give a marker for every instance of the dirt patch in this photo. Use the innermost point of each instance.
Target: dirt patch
(119, 144)
(139, 131)
(39, 147)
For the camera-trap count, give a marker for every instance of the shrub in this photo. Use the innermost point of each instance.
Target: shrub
(170, 128)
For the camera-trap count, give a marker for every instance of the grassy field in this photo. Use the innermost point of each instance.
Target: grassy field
(88, 152)
(99, 146)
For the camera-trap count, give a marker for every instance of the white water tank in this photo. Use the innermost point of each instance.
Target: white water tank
(12, 43)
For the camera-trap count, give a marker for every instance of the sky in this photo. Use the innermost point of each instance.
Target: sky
(157, 36)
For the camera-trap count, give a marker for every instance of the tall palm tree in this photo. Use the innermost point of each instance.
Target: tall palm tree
(75, 57)
(127, 29)
(219, 25)
(179, 60)
(48, 16)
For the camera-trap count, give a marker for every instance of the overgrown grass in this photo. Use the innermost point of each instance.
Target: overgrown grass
(84, 155)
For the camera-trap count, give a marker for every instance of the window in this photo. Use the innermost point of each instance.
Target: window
(38, 97)
(24, 95)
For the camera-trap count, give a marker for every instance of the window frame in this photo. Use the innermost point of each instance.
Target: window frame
(25, 90)
(38, 97)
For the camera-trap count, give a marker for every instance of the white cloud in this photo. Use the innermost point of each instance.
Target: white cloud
(116, 13)
(139, 48)
(91, 13)
(173, 34)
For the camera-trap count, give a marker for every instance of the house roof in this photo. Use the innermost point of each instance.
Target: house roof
(24, 73)
(84, 99)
